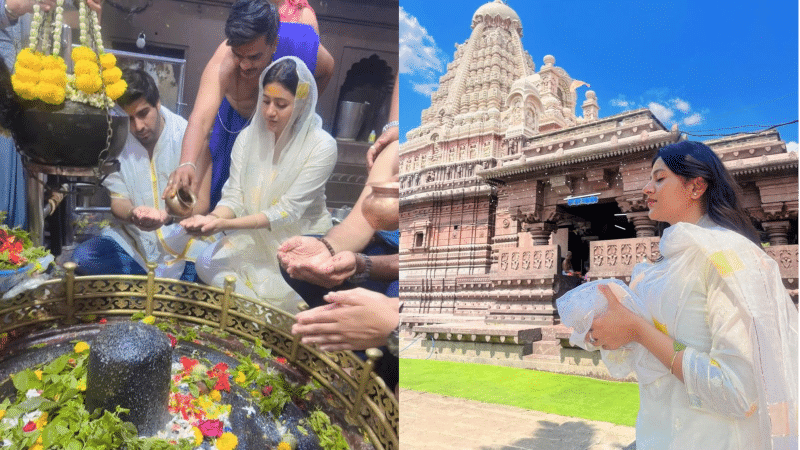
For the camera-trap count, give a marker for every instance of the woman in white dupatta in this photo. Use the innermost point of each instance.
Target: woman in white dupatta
(719, 329)
(276, 189)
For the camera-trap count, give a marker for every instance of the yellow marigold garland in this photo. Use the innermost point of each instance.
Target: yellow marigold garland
(44, 77)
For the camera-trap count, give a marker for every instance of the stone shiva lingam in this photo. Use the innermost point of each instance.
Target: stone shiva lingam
(129, 366)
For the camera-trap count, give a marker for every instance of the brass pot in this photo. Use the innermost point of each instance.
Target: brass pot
(180, 203)
(381, 207)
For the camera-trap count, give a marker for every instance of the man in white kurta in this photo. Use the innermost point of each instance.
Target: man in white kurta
(144, 232)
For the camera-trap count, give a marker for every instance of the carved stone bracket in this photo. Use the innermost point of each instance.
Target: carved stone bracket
(631, 203)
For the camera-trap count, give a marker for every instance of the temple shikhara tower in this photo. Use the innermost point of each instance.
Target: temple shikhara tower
(509, 170)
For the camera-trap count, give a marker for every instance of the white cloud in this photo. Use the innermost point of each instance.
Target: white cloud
(425, 88)
(661, 112)
(620, 103)
(694, 119)
(419, 54)
(791, 146)
(682, 105)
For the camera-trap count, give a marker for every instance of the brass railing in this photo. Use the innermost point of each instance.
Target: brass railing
(70, 300)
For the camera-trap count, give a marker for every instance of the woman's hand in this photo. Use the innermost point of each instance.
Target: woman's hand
(617, 326)
(199, 225)
(20, 7)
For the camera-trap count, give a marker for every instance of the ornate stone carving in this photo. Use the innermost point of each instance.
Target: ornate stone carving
(526, 260)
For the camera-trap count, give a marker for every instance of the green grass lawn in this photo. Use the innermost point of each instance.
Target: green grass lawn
(565, 395)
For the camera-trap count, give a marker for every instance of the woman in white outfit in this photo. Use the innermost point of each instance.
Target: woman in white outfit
(276, 189)
(719, 329)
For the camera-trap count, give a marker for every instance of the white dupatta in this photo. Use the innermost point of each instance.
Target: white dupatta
(290, 193)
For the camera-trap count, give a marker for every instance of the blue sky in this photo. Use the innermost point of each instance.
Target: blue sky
(705, 65)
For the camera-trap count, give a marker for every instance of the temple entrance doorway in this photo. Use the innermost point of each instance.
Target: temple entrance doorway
(595, 222)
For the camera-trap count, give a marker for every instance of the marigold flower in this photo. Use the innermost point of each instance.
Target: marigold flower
(112, 75)
(86, 68)
(284, 446)
(88, 83)
(38, 374)
(23, 89)
(29, 59)
(116, 90)
(82, 385)
(228, 441)
(108, 60)
(41, 421)
(27, 75)
(83, 53)
(54, 62)
(216, 396)
(2, 413)
(241, 378)
(54, 77)
(81, 347)
(198, 436)
(149, 320)
(50, 93)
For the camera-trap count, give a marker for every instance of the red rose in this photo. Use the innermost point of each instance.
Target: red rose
(172, 341)
(210, 428)
(221, 367)
(103, 320)
(188, 363)
(280, 360)
(30, 426)
(267, 391)
(223, 384)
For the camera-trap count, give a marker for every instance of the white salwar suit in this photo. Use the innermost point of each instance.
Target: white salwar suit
(291, 194)
(723, 297)
(141, 180)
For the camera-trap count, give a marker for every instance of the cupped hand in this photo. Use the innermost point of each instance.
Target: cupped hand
(618, 325)
(326, 271)
(300, 250)
(148, 219)
(356, 319)
(200, 225)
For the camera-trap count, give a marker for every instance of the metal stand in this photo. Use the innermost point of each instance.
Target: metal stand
(36, 174)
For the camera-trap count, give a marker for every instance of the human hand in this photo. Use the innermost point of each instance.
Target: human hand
(326, 271)
(618, 325)
(20, 7)
(200, 225)
(301, 250)
(356, 319)
(392, 134)
(147, 218)
(182, 176)
(95, 5)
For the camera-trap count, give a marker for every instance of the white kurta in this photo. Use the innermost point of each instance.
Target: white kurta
(142, 180)
(723, 297)
(289, 192)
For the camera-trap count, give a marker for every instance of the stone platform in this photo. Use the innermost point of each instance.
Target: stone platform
(539, 348)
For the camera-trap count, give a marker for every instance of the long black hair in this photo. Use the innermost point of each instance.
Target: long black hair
(285, 73)
(690, 159)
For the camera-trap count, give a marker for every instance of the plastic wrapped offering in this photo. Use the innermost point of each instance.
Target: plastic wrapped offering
(579, 307)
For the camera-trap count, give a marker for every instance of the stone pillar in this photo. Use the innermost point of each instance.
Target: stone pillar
(644, 225)
(541, 232)
(778, 232)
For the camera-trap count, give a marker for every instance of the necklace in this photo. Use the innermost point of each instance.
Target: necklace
(226, 128)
